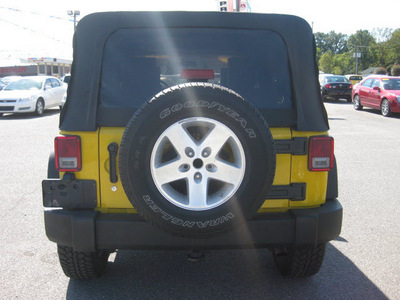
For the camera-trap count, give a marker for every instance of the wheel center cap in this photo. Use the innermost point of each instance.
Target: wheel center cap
(197, 163)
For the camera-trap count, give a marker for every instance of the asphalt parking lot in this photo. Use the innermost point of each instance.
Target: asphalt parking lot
(363, 263)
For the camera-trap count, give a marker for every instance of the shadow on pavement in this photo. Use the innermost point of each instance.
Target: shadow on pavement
(28, 116)
(236, 274)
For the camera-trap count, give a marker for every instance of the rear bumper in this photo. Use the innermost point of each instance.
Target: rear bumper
(90, 230)
(337, 93)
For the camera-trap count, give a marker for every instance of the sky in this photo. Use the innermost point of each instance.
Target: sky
(42, 28)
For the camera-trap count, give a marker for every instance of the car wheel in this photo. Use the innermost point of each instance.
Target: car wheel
(39, 109)
(385, 108)
(194, 170)
(82, 265)
(356, 103)
(299, 261)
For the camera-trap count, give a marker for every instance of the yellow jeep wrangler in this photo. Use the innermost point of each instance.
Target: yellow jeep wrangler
(192, 130)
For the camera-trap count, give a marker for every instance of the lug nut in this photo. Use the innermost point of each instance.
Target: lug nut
(206, 152)
(184, 168)
(189, 152)
(211, 168)
(197, 177)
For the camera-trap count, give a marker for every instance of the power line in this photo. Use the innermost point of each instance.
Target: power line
(35, 13)
(34, 31)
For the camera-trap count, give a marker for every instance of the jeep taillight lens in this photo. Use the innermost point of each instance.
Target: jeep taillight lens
(320, 153)
(68, 153)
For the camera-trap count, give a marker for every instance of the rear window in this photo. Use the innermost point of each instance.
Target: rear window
(138, 63)
(336, 79)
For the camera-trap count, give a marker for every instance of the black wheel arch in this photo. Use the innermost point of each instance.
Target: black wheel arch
(51, 166)
(332, 190)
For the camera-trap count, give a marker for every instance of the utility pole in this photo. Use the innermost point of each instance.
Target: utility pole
(74, 13)
(357, 55)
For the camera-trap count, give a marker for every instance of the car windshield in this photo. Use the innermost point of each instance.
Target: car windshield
(144, 61)
(25, 85)
(67, 78)
(337, 79)
(391, 84)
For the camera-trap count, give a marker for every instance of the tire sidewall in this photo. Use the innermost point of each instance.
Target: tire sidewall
(385, 113)
(167, 109)
(39, 110)
(356, 102)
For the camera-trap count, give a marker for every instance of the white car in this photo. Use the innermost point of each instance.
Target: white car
(32, 94)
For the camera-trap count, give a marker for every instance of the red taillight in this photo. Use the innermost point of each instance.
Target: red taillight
(320, 153)
(197, 74)
(328, 86)
(68, 153)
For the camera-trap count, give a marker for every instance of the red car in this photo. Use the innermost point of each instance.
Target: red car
(379, 92)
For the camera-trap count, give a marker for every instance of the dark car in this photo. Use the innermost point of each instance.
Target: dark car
(192, 130)
(379, 92)
(335, 87)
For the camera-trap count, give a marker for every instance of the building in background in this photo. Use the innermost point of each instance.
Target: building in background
(234, 5)
(36, 66)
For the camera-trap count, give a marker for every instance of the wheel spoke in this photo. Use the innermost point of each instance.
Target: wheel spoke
(180, 139)
(227, 173)
(216, 139)
(197, 193)
(168, 173)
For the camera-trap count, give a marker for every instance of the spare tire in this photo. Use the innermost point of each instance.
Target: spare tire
(197, 160)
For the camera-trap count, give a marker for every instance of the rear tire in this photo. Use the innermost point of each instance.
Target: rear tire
(299, 261)
(82, 265)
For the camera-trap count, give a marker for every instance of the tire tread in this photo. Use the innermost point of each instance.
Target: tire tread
(81, 265)
(301, 262)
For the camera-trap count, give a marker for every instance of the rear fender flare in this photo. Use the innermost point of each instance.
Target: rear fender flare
(51, 167)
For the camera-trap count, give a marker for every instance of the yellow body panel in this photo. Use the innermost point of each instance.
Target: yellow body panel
(112, 198)
(112, 194)
(282, 174)
(316, 181)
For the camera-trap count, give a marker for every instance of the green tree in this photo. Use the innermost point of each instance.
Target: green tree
(326, 62)
(380, 70)
(363, 42)
(343, 63)
(395, 71)
(393, 48)
(332, 41)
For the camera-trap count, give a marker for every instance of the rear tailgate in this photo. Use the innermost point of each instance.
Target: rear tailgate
(303, 188)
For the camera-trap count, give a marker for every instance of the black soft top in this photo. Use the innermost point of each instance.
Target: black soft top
(80, 111)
